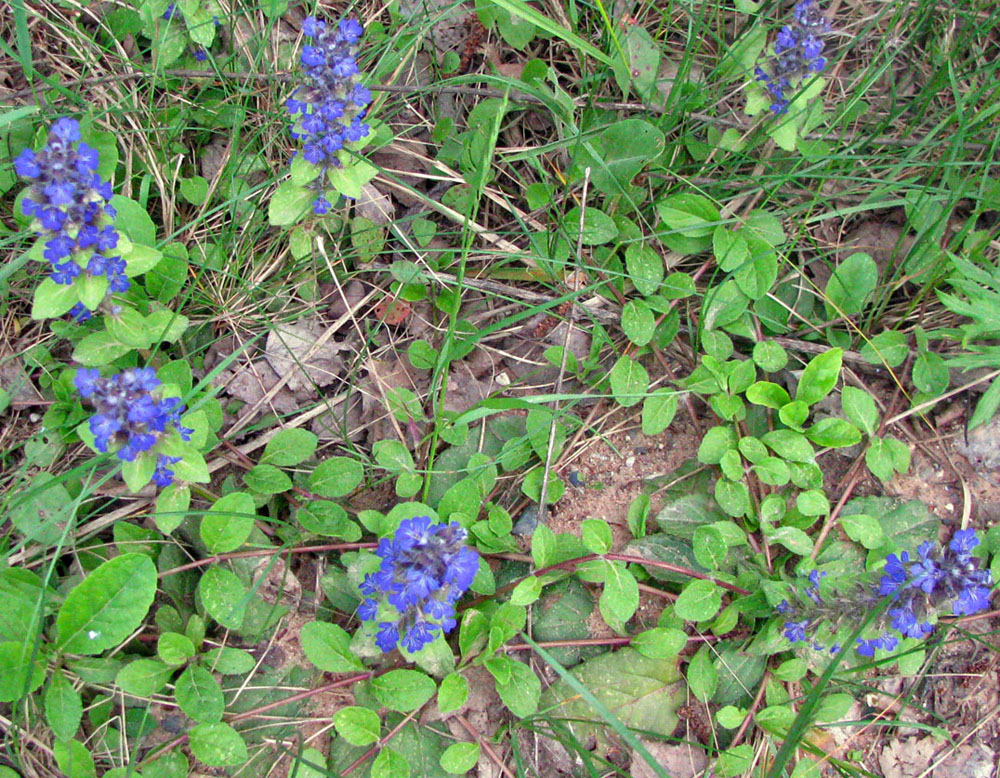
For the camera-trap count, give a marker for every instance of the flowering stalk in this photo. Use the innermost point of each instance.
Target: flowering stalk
(133, 418)
(796, 54)
(328, 109)
(70, 209)
(425, 570)
(939, 579)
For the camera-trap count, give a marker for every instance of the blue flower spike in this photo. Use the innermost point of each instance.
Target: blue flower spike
(937, 581)
(329, 108)
(797, 54)
(426, 568)
(69, 205)
(131, 416)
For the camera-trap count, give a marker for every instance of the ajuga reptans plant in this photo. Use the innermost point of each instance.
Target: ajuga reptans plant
(70, 209)
(132, 417)
(425, 568)
(329, 107)
(797, 53)
(939, 580)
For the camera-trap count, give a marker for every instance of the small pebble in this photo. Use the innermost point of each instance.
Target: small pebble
(629, 461)
(575, 479)
(526, 522)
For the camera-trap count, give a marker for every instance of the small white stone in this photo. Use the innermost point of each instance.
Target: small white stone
(503, 379)
(629, 461)
(949, 507)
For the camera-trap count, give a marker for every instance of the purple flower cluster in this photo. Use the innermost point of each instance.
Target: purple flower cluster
(131, 415)
(328, 109)
(939, 579)
(425, 568)
(70, 210)
(797, 52)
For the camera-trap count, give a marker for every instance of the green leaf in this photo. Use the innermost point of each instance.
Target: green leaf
(174, 648)
(702, 677)
(794, 414)
(833, 433)
(228, 523)
(267, 479)
(658, 411)
(141, 259)
(888, 347)
(598, 227)
(390, 764)
(850, 285)
(133, 220)
(459, 758)
(143, 677)
(859, 407)
(819, 376)
(63, 707)
(329, 647)
(690, 215)
(453, 692)
(224, 596)
(620, 595)
(289, 447)
(229, 661)
(638, 322)
(325, 517)
(19, 673)
(349, 179)
(517, 685)
(794, 539)
(596, 535)
(44, 516)
(289, 203)
(699, 601)
(52, 299)
(403, 690)
(730, 248)
(789, 445)
(527, 591)
(660, 643)
(645, 268)
(393, 456)
(336, 477)
(74, 759)
(358, 726)
(195, 189)
(710, 547)
(770, 356)
(715, 443)
(768, 394)
(640, 692)
(107, 606)
(626, 148)
(199, 694)
(864, 529)
(99, 348)
(218, 745)
(887, 456)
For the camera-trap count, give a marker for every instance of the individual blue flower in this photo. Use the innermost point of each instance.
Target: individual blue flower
(65, 273)
(80, 312)
(795, 631)
(388, 636)
(200, 55)
(163, 476)
(418, 636)
(26, 165)
(85, 380)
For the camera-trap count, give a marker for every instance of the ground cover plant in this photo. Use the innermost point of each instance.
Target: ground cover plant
(502, 388)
